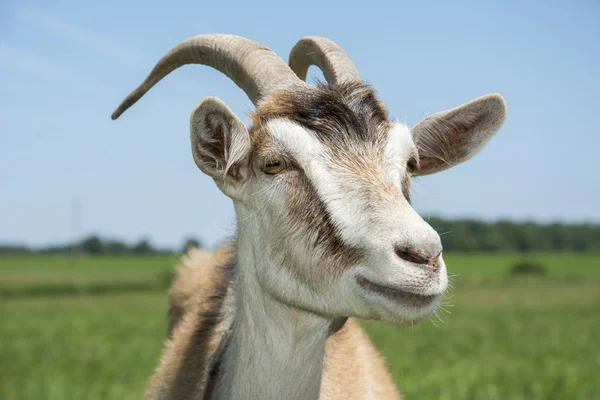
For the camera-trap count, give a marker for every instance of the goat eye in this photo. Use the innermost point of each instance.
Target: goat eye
(411, 165)
(274, 165)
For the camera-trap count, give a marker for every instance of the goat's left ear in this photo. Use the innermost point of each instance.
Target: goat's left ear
(451, 137)
(220, 143)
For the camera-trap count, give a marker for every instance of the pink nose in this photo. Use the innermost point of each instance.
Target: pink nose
(423, 257)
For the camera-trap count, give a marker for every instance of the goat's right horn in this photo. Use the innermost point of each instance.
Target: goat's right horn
(337, 66)
(253, 67)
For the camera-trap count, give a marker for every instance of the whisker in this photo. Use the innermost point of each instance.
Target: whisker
(433, 322)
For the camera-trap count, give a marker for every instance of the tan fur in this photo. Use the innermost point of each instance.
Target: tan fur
(181, 373)
(196, 274)
(353, 369)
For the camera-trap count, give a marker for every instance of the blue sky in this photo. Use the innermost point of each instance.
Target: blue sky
(64, 68)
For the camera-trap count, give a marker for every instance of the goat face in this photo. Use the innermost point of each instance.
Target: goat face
(321, 185)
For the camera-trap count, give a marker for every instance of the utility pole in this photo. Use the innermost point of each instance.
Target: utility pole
(75, 227)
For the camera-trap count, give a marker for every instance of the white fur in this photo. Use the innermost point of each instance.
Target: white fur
(399, 148)
(276, 351)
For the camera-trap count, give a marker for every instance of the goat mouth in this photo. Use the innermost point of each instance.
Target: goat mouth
(396, 295)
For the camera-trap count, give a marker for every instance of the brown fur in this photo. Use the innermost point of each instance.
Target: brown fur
(200, 314)
(336, 113)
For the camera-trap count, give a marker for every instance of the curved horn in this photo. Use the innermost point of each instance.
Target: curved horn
(337, 66)
(253, 67)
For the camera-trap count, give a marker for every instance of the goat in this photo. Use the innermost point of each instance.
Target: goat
(320, 184)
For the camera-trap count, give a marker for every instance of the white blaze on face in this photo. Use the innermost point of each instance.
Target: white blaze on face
(398, 151)
(351, 213)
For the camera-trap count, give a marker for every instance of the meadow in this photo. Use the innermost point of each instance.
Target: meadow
(93, 328)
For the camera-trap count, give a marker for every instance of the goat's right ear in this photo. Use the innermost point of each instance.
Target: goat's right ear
(451, 137)
(220, 142)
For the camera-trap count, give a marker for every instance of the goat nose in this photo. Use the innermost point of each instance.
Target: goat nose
(419, 256)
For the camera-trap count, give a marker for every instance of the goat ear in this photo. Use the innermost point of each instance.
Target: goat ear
(451, 137)
(220, 142)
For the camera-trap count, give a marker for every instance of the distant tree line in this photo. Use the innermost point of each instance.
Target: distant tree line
(459, 235)
(95, 245)
(467, 235)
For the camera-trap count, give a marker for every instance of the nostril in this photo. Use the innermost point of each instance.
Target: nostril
(410, 255)
(417, 256)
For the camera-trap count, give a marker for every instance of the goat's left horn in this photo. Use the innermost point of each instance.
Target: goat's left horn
(337, 66)
(253, 67)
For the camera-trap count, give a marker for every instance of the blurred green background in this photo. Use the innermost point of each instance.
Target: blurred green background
(92, 327)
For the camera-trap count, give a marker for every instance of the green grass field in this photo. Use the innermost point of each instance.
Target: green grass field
(94, 328)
